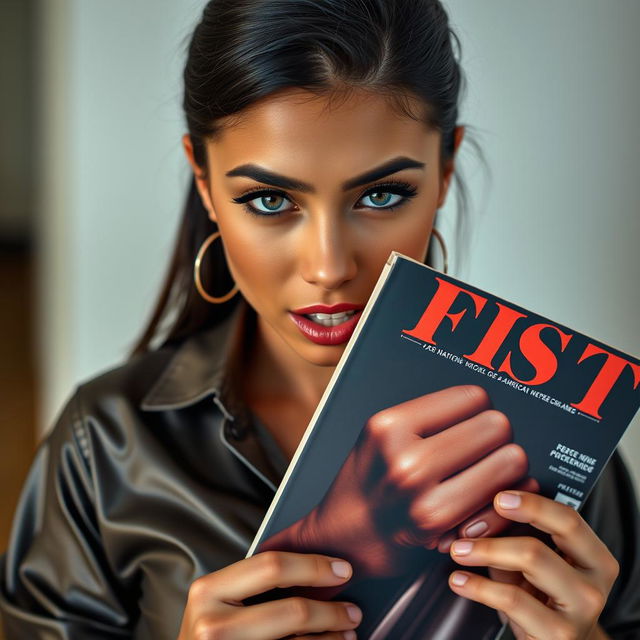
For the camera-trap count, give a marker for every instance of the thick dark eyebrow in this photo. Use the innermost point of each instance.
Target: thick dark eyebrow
(260, 174)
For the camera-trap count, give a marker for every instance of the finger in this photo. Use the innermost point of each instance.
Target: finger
(272, 569)
(572, 535)
(442, 507)
(293, 616)
(570, 591)
(487, 522)
(392, 429)
(533, 616)
(515, 577)
(439, 456)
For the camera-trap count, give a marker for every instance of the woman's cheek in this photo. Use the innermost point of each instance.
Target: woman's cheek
(410, 239)
(257, 265)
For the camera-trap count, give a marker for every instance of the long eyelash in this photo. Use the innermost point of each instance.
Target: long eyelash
(397, 187)
(252, 194)
(404, 188)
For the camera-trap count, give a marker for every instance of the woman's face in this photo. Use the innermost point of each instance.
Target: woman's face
(303, 219)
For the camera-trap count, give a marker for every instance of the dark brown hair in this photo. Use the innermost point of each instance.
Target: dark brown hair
(244, 50)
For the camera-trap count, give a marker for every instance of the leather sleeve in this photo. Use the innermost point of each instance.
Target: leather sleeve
(612, 512)
(55, 580)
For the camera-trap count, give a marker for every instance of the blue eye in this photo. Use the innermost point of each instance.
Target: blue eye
(270, 199)
(387, 196)
(269, 202)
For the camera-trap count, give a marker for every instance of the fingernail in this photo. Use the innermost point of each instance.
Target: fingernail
(509, 500)
(476, 529)
(462, 547)
(459, 579)
(445, 544)
(341, 569)
(349, 635)
(355, 615)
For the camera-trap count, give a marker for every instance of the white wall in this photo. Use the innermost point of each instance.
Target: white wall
(553, 89)
(113, 178)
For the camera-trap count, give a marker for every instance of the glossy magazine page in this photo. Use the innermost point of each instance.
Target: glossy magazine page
(444, 396)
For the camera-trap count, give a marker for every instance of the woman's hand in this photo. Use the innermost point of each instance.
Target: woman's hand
(542, 593)
(420, 469)
(215, 610)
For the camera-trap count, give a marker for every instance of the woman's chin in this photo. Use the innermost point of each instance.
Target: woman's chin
(323, 355)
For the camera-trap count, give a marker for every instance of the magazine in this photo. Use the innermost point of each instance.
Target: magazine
(444, 395)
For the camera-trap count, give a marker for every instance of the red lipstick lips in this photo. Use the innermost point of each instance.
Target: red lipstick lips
(321, 334)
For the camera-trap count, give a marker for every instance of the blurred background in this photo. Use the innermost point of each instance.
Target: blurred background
(92, 180)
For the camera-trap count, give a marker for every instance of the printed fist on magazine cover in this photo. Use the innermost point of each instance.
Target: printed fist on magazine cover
(421, 473)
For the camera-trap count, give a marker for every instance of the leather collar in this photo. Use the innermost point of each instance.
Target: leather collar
(201, 365)
(207, 363)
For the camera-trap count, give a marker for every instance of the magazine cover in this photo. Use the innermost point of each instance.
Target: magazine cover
(444, 396)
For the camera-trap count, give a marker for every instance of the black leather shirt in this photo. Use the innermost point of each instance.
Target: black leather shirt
(154, 475)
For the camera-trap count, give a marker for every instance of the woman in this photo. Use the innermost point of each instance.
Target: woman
(322, 135)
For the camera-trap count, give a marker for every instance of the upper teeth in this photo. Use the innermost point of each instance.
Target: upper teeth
(330, 319)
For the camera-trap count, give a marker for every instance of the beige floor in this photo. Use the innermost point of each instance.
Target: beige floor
(17, 382)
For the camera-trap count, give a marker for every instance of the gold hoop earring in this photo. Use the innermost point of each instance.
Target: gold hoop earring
(196, 273)
(443, 248)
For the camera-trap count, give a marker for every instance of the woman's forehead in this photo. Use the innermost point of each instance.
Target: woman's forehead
(296, 127)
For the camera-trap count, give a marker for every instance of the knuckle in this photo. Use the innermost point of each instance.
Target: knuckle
(199, 589)
(429, 515)
(610, 568)
(208, 629)
(272, 563)
(380, 423)
(517, 457)
(593, 599)
(499, 422)
(339, 615)
(613, 569)
(533, 552)
(477, 394)
(509, 598)
(570, 522)
(319, 564)
(298, 610)
(565, 631)
(402, 470)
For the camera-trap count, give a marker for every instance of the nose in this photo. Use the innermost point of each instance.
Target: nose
(327, 253)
